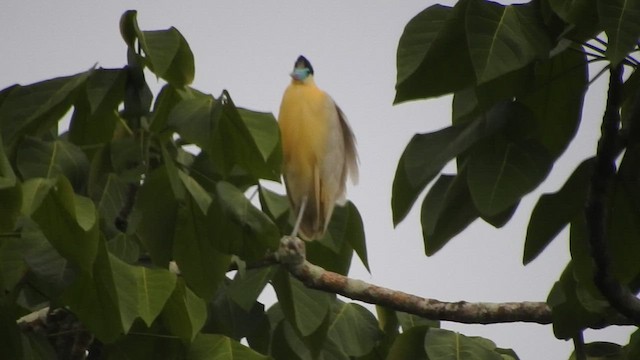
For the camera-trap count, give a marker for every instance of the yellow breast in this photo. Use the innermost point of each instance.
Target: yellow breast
(303, 120)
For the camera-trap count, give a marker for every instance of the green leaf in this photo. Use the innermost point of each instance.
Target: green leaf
(619, 18)
(228, 318)
(581, 13)
(446, 211)
(11, 340)
(557, 99)
(192, 119)
(554, 211)
(69, 222)
(355, 234)
(156, 211)
(569, 315)
(166, 100)
(601, 350)
(239, 227)
(408, 321)
(274, 205)
(201, 264)
(218, 347)
(234, 145)
(432, 57)
(633, 348)
(304, 308)
(112, 200)
(409, 345)
(168, 55)
(129, 27)
(441, 344)
(185, 313)
(34, 109)
(150, 291)
(44, 159)
(94, 299)
(624, 230)
(246, 287)
(10, 194)
(266, 134)
(353, 328)
(96, 109)
(344, 234)
(503, 38)
(500, 172)
(125, 247)
(477, 99)
(426, 155)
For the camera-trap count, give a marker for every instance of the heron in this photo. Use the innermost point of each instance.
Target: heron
(319, 152)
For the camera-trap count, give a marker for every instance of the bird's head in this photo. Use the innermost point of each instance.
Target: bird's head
(302, 69)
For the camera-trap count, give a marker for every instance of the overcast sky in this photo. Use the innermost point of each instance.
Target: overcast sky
(248, 48)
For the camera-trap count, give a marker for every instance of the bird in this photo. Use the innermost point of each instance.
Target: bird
(319, 152)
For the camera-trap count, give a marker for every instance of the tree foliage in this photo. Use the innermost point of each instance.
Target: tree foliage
(95, 219)
(518, 75)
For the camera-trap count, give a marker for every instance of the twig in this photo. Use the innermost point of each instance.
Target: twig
(619, 296)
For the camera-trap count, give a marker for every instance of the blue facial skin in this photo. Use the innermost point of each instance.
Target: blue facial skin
(300, 73)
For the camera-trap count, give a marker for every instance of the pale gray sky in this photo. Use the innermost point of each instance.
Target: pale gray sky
(248, 48)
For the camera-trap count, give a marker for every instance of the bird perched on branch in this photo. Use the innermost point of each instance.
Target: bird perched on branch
(319, 152)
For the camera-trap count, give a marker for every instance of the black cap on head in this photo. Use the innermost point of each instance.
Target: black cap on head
(303, 62)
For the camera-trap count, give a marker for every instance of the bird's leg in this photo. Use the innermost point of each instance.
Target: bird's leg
(296, 227)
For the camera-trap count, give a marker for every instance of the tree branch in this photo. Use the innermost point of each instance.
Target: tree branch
(618, 295)
(291, 254)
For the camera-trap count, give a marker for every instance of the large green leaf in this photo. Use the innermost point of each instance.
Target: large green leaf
(601, 350)
(238, 226)
(503, 38)
(233, 144)
(345, 233)
(167, 53)
(192, 119)
(266, 134)
(569, 315)
(446, 211)
(68, 221)
(432, 56)
(247, 286)
(50, 159)
(441, 344)
(218, 347)
(48, 271)
(156, 211)
(619, 18)
(10, 194)
(477, 99)
(501, 171)
(201, 264)
(554, 211)
(557, 98)
(624, 232)
(353, 328)
(409, 345)
(426, 155)
(185, 313)
(34, 109)
(581, 13)
(228, 318)
(304, 308)
(94, 299)
(96, 109)
(142, 292)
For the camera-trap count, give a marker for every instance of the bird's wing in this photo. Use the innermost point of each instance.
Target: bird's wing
(350, 151)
